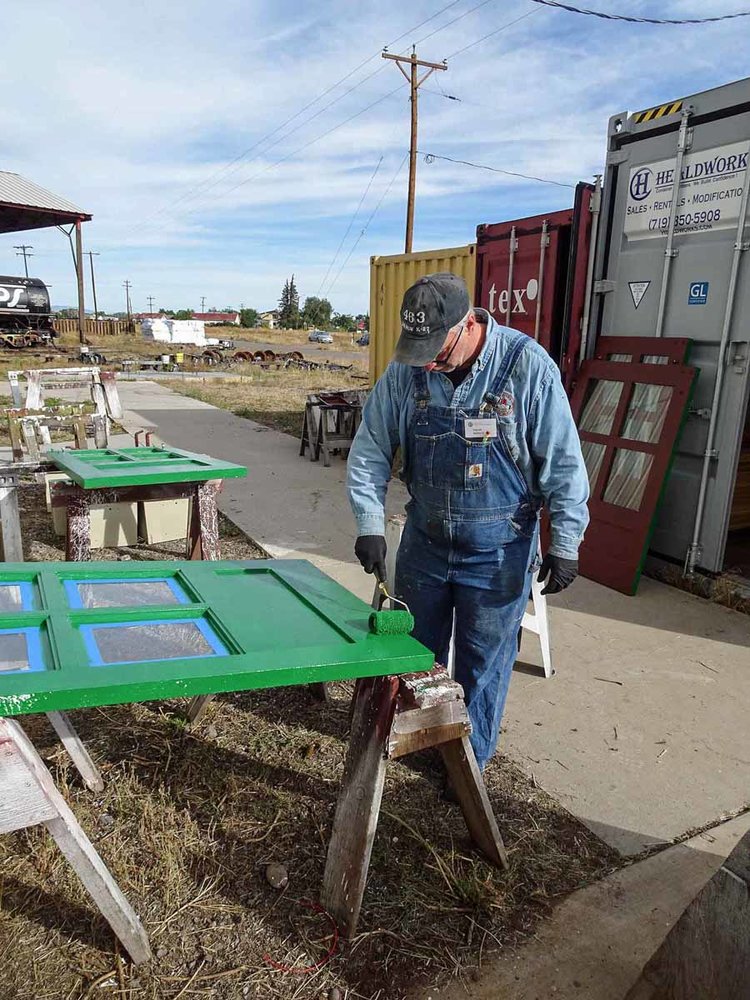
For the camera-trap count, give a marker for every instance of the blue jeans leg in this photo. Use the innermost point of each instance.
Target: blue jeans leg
(486, 647)
(421, 581)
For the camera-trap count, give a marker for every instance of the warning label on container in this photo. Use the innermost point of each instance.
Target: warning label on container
(638, 290)
(708, 197)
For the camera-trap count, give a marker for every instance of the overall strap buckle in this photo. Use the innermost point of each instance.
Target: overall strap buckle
(498, 398)
(421, 394)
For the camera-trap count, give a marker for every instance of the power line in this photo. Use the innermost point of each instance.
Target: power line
(245, 153)
(367, 224)
(503, 27)
(640, 20)
(449, 23)
(349, 227)
(429, 157)
(281, 138)
(317, 138)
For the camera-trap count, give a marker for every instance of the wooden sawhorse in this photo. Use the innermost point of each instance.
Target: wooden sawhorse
(392, 717)
(29, 797)
(202, 529)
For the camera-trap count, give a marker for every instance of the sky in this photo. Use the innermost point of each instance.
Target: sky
(197, 137)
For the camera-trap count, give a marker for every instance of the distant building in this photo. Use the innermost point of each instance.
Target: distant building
(270, 319)
(218, 319)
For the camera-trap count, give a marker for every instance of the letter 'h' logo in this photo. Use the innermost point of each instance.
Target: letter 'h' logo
(640, 184)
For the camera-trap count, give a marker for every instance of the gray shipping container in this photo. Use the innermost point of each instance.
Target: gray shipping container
(671, 261)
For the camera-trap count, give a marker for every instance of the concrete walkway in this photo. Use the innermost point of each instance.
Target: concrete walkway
(642, 733)
(597, 941)
(289, 505)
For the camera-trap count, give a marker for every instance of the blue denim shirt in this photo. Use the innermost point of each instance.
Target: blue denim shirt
(541, 433)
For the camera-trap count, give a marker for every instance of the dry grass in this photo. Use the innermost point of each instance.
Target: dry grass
(727, 589)
(275, 398)
(189, 820)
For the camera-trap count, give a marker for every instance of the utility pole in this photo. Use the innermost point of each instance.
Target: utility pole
(414, 84)
(203, 303)
(127, 286)
(23, 251)
(91, 254)
(150, 300)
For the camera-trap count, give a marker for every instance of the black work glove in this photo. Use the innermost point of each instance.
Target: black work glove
(562, 572)
(370, 550)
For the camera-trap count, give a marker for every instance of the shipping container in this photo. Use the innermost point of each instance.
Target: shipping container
(532, 275)
(671, 261)
(390, 277)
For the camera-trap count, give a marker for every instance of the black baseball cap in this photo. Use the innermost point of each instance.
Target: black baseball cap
(430, 308)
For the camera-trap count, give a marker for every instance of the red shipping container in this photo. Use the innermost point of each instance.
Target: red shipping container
(532, 274)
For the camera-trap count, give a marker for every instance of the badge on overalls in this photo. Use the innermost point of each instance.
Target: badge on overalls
(480, 428)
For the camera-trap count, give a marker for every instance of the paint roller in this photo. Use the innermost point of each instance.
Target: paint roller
(393, 622)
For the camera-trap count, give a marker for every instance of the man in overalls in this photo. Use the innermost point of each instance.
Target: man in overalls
(487, 439)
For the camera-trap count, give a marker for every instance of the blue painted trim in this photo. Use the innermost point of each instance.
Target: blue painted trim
(74, 597)
(27, 594)
(71, 589)
(33, 650)
(95, 659)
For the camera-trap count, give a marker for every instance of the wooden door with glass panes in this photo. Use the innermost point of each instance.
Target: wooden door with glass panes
(629, 417)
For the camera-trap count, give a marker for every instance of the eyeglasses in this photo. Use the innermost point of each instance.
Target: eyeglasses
(447, 351)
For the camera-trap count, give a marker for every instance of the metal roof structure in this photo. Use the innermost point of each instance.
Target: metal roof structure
(26, 205)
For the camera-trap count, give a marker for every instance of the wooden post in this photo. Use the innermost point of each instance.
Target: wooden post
(203, 543)
(79, 276)
(466, 779)
(76, 750)
(78, 530)
(414, 85)
(706, 953)
(11, 524)
(203, 540)
(356, 818)
(393, 717)
(29, 798)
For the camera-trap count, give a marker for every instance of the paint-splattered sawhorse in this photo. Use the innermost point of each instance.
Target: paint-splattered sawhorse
(202, 530)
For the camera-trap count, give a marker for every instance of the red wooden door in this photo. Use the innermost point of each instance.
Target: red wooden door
(629, 416)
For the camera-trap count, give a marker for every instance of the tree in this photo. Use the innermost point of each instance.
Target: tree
(289, 317)
(249, 318)
(344, 321)
(166, 312)
(184, 314)
(316, 312)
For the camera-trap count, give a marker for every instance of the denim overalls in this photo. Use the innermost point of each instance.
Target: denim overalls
(469, 544)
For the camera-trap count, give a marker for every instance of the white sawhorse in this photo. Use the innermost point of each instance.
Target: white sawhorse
(535, 621)
(29, 797)
(10, 525)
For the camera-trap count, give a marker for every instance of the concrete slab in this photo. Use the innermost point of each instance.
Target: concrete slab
(598, 940)
(642, 733)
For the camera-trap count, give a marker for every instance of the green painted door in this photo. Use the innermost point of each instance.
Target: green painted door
(109, 467)
(79, 634)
